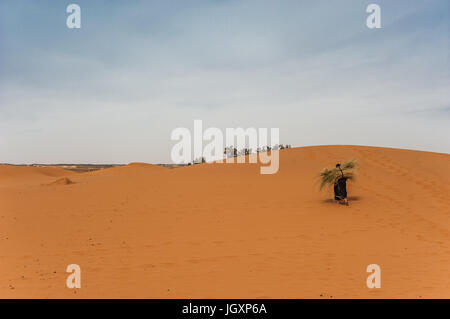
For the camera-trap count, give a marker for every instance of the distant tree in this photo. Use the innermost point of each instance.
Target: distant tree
(228, 151)
(199, 160)
(245, 151)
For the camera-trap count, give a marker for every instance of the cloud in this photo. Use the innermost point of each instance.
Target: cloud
(133, 73)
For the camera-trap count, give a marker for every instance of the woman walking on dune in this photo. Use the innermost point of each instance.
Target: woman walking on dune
(338, 177)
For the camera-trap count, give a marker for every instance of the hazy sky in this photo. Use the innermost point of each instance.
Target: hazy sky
(112, 91)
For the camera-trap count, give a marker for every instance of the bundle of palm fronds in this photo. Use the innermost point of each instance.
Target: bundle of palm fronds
(330, 176)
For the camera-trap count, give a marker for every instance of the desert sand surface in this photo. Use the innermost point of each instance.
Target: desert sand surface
(226, 231)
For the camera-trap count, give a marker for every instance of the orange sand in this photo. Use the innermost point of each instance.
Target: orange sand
(225, 231)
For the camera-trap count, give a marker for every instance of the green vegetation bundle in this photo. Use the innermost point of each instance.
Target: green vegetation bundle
(331, 176)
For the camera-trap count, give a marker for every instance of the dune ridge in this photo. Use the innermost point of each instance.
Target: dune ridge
(13, 171)
(61, 181)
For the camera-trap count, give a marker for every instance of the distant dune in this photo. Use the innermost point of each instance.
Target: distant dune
(11, 171)
(29, 175)
(61, 181)
(226, 231)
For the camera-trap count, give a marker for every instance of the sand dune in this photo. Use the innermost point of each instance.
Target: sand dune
(225, 231)
(128, 170)
(30, 175)
(10, 171)
(61, 181)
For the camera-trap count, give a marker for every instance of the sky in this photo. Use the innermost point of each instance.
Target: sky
(114, 90)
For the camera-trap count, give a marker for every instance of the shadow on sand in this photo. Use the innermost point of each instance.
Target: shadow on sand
(350, 199)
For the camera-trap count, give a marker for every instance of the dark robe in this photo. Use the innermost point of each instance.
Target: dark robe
(340, 189)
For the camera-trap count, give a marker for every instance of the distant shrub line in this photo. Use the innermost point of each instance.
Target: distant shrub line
(231, 151)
